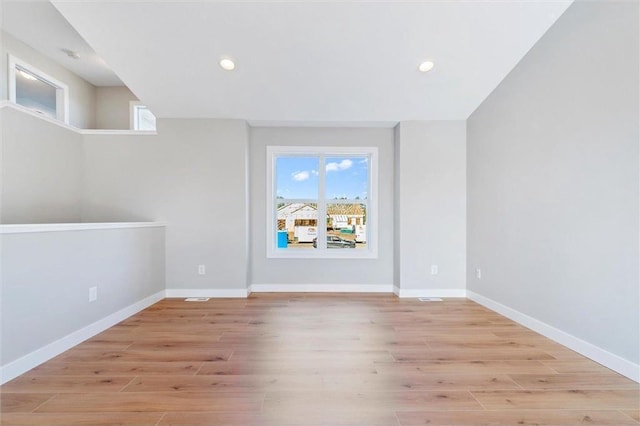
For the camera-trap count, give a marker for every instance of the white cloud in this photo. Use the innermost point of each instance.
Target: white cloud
(343, 165)
(314, 172)
(300, 176)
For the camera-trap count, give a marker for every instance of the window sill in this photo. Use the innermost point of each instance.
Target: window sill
(328, 254)
(17, 107)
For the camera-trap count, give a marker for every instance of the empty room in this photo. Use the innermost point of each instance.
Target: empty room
(338, 213)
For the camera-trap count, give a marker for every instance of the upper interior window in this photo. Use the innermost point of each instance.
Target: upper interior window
(37, 91)
(322, 202)
(141, 117)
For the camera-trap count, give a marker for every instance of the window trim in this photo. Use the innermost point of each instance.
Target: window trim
(62, 90)
(133, 117)
(371, 252)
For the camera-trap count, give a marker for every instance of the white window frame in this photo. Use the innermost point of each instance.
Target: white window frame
(62, 90)
(133, 116)
(322, 152)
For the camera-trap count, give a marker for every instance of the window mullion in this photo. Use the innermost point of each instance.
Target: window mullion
(322, 205)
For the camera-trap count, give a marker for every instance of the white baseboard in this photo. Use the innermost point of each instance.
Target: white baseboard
(37, 357)
(426, 292)
(321, 288)
(224, 292)
(599, 355)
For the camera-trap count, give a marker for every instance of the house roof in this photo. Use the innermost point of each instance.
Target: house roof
(293, 208)
(345, 209)
(332, 209)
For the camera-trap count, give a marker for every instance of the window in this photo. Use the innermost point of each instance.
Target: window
(321, 202)
(37, 91)
(141, 117)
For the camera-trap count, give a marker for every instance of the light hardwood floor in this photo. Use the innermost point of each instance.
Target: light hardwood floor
(319, 359)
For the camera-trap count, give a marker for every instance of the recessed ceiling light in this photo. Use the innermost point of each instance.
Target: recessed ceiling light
(426, 66)
(227, 64)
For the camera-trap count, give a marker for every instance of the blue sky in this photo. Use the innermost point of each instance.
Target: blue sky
(297, 177)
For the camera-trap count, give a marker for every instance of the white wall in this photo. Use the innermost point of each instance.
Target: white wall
(192, 175)
(430, 203)
(553, 181)
(46, 278)
(112, 107)
(82, 95)
(321, 271)
(41, 170)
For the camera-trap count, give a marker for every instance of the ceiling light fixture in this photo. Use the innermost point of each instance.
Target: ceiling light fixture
(227, 64)
(71, 53)
(426, 66)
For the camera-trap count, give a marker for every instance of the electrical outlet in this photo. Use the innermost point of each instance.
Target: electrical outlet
(479, 273)
(434, 269)
(93, 294)
(202, 270)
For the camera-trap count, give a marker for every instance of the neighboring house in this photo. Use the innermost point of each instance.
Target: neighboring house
(301, 214)
(345, 215)
(296, 214)
(300, 220)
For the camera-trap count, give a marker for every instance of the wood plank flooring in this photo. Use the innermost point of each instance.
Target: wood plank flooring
(319, 359)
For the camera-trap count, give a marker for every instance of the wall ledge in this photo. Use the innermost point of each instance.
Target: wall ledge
(24, 110)
(123, 132)
(56, 227)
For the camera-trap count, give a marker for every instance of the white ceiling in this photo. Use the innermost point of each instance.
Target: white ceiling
(313, 61)
(40, 25)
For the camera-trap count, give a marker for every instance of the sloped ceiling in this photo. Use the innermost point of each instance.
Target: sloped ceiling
(40, 25)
